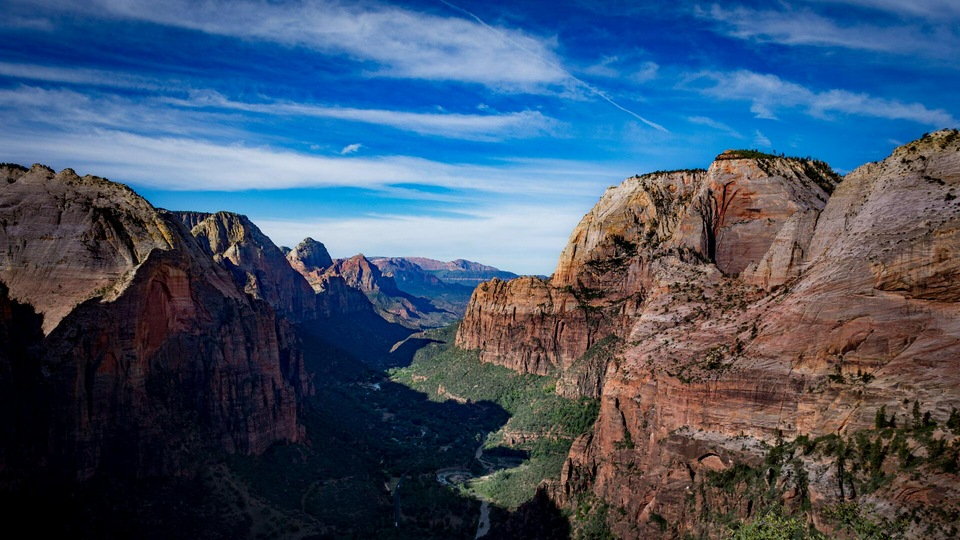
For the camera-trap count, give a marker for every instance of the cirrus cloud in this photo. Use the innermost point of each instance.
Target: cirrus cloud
(401, 42)
(769, 93)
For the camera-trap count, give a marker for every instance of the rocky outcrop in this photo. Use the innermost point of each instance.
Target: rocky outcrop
(152, 355)
(387, 299)
(310, 258)
(763, 370)
(730, 214)
(361, 274)
(67, 239)
(333, 295)
(256, 263)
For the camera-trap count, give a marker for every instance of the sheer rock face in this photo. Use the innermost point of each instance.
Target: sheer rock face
(68, 239)
(853, 305)
(732, 213)
(257, 264)
(362, 274)
(158, 353)
(524, 324)
(870, 321)
(747, 202)
(334, 296)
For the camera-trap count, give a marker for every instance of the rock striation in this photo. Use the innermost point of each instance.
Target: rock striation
(730, 215)
(783, 339)
(335, 281)
(150, 353)
(256, 263)
(68, 239)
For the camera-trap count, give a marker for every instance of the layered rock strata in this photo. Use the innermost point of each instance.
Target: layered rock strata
(729, 215)
(152, 352)
(805, 360)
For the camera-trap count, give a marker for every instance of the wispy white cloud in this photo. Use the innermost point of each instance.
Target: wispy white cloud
(393, 41)
(791, 26)
(29, 22)
(350, 149)
(616, 67)
(769, 93)
(460, 126)
(720, 126)
(592, 89)
(83, 76)
(937, 10)
(604, 68)
(32, 109)
(760, 139)
(205, 112)
(402, 42)
(178, 163)
(647, 71)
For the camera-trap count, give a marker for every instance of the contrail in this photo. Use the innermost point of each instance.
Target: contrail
(593, 90)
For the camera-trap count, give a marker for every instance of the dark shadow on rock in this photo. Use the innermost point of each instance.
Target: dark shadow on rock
(536, 519)
(363, 337)
(402, 354)
(363, 433)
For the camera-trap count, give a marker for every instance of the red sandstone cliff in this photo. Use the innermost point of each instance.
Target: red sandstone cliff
(806, 316)
(152, 352)
(730, 214)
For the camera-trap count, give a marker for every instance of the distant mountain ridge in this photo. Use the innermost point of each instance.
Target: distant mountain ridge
(459, 271)
(399, 288)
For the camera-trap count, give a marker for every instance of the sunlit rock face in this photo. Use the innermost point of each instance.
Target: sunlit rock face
(152, 352)
(817, 305)
(257, 264)
(731, 214)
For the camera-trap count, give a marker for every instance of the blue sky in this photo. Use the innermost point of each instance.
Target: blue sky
(466, 129)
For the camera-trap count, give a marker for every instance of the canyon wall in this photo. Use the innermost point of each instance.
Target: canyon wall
(805, 357)
(149, 352)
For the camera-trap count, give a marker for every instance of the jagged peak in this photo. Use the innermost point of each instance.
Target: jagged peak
(14, 166)
(40, 167)
(311, 254)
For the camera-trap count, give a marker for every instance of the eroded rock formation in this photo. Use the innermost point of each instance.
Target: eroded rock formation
(766, 368)
(256, 263)
(381, 291)
(152, 352)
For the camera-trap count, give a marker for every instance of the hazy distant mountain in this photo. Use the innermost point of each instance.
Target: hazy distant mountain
(412, 278)
(460, 271)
